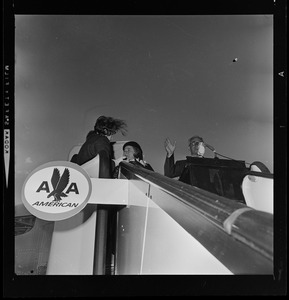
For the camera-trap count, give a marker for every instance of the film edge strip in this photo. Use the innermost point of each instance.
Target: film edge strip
(7, 120)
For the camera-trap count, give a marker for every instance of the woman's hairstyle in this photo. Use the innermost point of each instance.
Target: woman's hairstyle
(137, 149)
(109, 126)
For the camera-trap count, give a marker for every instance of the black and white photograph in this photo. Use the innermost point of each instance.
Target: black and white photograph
(145, 151)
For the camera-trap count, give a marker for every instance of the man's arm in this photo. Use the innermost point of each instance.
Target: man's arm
(172, 169)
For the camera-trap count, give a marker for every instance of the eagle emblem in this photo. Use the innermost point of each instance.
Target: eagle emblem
(59, 184)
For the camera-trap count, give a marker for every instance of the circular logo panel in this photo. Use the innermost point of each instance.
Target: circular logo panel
(56, 190)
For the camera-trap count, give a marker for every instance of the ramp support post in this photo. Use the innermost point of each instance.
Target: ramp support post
(99, 264)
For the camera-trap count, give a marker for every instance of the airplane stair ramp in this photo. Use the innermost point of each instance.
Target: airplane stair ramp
(169, 227)
(146, 223)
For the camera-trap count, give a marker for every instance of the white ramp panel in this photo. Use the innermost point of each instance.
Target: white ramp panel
(170, 249)
(258, 193)
(72, 246)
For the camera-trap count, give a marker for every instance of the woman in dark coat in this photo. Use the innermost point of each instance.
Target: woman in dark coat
(132, 153)
(98, 143)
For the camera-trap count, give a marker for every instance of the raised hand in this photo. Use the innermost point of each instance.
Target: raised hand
(170, 147)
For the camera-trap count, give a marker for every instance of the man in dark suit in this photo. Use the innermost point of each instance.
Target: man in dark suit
(174, 169)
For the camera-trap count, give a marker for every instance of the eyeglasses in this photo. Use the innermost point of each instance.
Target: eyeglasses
(194, 143)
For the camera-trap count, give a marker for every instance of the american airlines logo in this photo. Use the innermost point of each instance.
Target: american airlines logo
(56, 191)
(59, 183)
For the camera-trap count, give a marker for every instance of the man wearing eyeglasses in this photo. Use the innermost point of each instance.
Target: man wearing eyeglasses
(174, 169)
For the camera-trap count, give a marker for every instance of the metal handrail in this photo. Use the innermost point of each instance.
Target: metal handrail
(239, 236)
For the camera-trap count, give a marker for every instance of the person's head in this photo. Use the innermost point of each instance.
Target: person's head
(132, 150)
(194, 145)
(109, 126)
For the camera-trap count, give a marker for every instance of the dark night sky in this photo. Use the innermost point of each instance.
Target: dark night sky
(167, 76)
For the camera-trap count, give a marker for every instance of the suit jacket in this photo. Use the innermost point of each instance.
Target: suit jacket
(172, 169)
